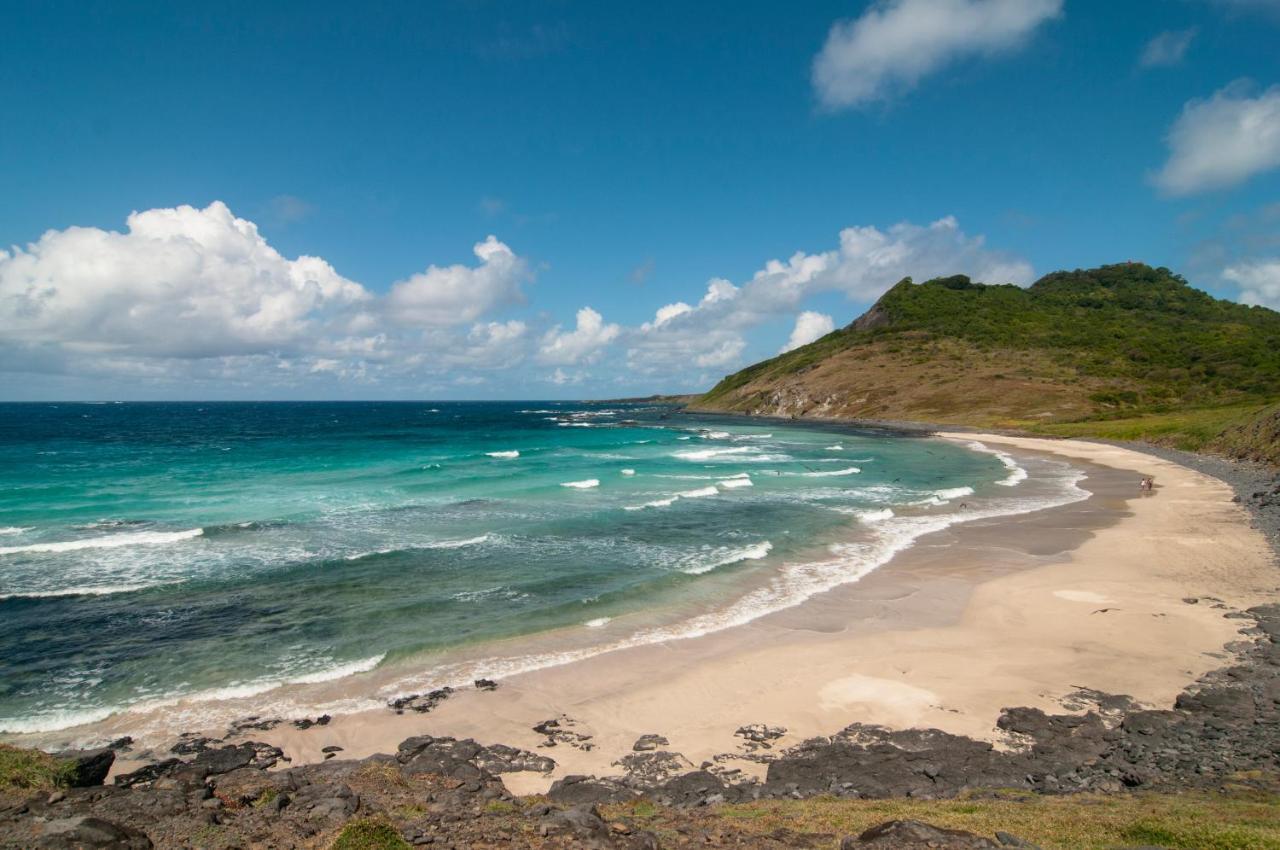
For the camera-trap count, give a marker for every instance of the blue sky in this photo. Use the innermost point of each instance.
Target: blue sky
(622, 157)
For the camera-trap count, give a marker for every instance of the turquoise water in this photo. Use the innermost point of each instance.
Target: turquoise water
(155, 550)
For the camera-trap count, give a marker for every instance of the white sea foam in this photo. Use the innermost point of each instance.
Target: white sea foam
(95, 590)
(735, 483)
(64, 719)
(14, 529)
(436, 544)
(628, 472)
(509, 454)
(364, 665)
(716, 435)
(754, 552)
(851, 470)
(582, 485)
(1016, 473)
(701, 492)
(875, 516)
(836, 448)
(712, 454)
(953, 493)
(656, 503)
(598, 622)
(458, 544)
(141, 538)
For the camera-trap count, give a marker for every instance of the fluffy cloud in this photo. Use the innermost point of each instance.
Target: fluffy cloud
(1259, 281)
(458, 294)
(1222, 141)
(895, 43)
(199, 294)
(583, 344)
(866, 262)
(181, 282)
(1167, 48)
(809, 327)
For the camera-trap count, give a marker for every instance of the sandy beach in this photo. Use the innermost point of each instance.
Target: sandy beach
(1124, 593)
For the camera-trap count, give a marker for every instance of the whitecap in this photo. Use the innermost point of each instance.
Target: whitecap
(1016, 473)
(15, 529)
(628, 472)
(953, 492)
(582, 485)
(852, 470)
(875, 516)
(142, 538)
(598, 622)
(754, 552)
(656, 503)
(95, 590)
(735, 483)
(508, 454)
(701, 492)
(711, 454)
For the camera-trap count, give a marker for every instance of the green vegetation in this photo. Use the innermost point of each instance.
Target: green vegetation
(1193, 429)
(22, 769)
(369, 834)
(1162, 341)
(1237, 821)
(1125, 351)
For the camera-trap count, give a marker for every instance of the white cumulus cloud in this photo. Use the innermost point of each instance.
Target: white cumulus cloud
(809, 327)
(1259, 281)
(198, 295)
(895, 43)
(181, 282)
(583, 344)
(458, 294)
(1222, 141)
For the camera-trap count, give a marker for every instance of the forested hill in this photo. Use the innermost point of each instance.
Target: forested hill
(1100, 344)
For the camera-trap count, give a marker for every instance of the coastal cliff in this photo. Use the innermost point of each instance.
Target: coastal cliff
(1126, 351)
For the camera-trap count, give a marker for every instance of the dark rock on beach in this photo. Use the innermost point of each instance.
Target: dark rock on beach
(85, 768)
(421, 703)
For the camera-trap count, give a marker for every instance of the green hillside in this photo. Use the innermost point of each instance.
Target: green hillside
(1120, 342)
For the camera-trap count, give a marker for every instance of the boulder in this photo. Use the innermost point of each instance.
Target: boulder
(86, 768)
(82, 833)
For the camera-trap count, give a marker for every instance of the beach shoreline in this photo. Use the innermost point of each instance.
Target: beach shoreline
(1021, 610)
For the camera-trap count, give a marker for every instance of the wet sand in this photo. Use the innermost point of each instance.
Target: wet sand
(1020, 610)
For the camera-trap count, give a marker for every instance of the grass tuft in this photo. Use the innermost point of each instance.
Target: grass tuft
(30, 769)
(369, 834)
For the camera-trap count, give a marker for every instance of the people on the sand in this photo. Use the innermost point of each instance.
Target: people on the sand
(1147, 484)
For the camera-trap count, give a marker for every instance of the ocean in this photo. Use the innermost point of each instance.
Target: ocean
(152, 553)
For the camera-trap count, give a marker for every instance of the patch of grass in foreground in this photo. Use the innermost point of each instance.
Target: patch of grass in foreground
(1079, 822)
(29, 769)
(1189, 429)
(369, 834)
